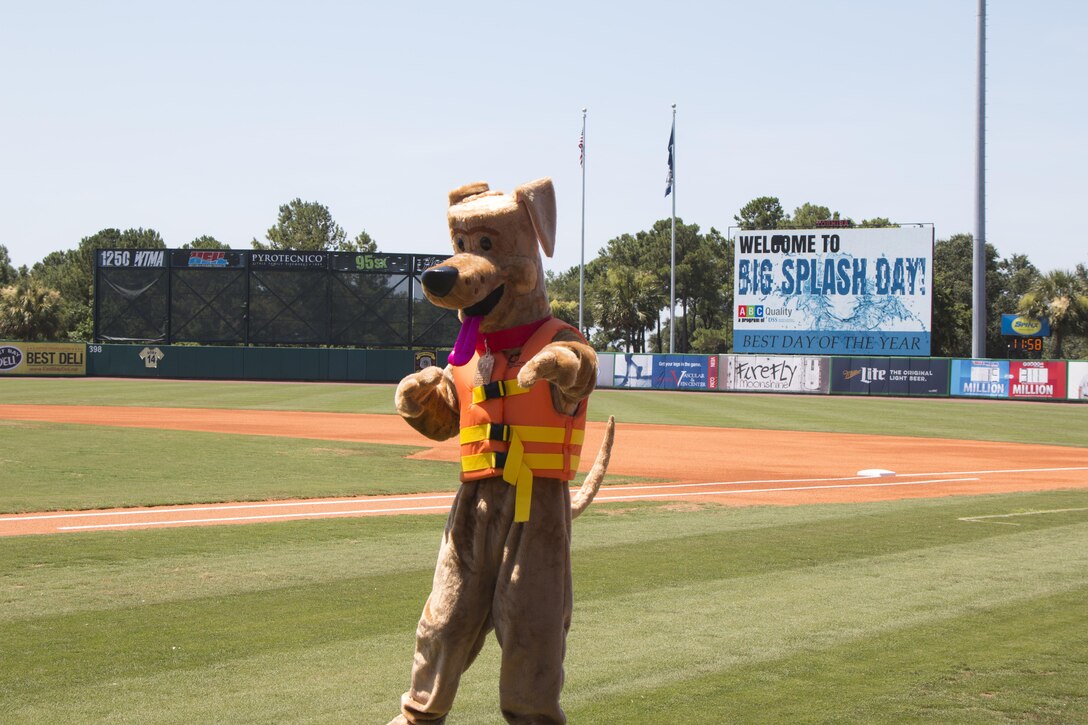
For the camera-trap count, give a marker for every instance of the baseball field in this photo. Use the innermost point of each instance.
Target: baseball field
(735, 568)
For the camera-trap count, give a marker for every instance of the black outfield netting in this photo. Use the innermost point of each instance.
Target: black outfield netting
(208, 307)
(131, 303)
(344, 299)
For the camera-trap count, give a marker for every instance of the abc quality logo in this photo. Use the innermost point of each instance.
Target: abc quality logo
(750, 313)
(10, 357)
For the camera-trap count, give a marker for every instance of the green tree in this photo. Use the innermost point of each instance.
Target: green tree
(703, 287)
(304, 226)
(30, 312)
(953, 272)
(361, 243)
(626, 303)
(710, 342)
(1060, 296)
(807, 215)
(1016, 277)
(7, 272)
(205, 242)
(764, 212)
(71, 273)
(563, 292)
(876, 222)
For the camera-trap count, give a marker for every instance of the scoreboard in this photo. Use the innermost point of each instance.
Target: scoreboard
(1024, 336)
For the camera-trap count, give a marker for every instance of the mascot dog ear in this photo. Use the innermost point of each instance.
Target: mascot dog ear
(468, 191)
(538, 197)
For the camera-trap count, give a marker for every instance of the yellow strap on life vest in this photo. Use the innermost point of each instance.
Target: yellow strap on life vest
(517, 469)
(485, 431)
(535, 461)
(497, 389)
(527, 433)
(517, 473)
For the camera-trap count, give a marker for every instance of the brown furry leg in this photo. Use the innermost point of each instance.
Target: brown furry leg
(532, 610)
(457, 617)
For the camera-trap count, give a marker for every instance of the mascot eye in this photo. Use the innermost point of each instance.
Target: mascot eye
(485, 243)
(460, 244)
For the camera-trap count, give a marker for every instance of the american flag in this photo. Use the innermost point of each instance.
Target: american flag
(582, 149)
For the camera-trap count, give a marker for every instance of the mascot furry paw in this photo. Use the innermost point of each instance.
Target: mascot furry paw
(515, 392)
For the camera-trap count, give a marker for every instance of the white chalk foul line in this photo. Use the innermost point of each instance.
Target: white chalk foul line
(216, 507)
(732, 492)
(985, 519)
(603, 496)
(265, 517)
(757, 481)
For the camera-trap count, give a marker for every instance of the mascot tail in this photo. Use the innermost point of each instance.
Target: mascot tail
(585, 494)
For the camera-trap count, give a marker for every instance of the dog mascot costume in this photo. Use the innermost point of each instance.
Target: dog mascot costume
(515, 393)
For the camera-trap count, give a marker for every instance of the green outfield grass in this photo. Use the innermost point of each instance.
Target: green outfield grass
(1057, 423)
(884, 612)
(889, 612)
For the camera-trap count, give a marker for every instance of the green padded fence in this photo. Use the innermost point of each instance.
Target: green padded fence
(249, 363)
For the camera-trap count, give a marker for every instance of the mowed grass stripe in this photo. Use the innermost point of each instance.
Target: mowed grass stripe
(61, 575)
(1024, 660)
(654, 633)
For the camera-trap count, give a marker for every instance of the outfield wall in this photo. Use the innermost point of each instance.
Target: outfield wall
(817, 375)
(800, 374)
(248, 363)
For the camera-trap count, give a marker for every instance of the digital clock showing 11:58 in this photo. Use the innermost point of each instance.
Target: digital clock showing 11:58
(1026, 345)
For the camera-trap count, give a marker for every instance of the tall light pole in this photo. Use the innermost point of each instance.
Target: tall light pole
(978, 284)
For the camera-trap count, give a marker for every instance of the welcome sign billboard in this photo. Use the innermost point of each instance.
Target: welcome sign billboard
(834, 291)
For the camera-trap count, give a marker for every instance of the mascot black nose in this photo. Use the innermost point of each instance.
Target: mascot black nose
(440, 280)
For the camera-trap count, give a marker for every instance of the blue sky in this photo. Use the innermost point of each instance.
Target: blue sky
(203, 117)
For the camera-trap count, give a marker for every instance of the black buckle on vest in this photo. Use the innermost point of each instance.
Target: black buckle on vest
(498, 432)
(494, 389)
(500, 460)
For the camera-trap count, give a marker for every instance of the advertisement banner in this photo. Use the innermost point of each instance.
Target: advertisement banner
(1037, 379)
(370, 262)
(207, 259)
(680, 372)
(1023, 326)
(289, 260)
(834, 291)
(132, 258)
(1078, 380)
(980, 378)
(43, 358)
(631, 370)
(423, 262)
(889, 376)
(776, 373)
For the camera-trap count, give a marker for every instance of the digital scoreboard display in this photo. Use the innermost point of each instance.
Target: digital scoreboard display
(1024, 336)
(1025, 346)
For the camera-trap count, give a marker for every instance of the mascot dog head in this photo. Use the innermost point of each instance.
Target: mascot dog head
(495, 277)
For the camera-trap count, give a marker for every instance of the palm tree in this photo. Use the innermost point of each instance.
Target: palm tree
(29, 311)
(1062, 298)
(626, 301)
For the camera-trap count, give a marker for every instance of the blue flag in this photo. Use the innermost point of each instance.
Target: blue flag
(672, 168)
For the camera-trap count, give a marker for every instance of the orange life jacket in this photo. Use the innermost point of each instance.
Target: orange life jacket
(516, 432)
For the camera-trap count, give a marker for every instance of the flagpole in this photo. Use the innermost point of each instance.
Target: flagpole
(582, 265)
(672, 264)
